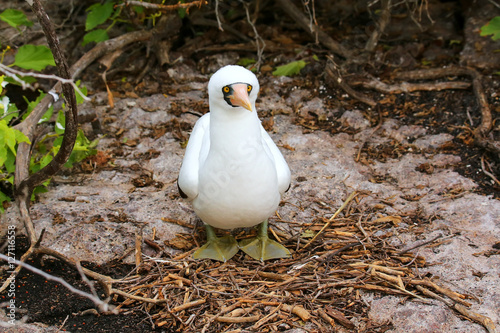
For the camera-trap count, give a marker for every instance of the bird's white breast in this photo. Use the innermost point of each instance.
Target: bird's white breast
(238, 185)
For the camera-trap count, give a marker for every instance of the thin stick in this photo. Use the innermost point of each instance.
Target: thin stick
(165, 8)
(487, 173)
(483, 320)
(385, 18)
(334, 72)
(103, 306)
(344, 205)
(13, 73)
(419, 244)
(188, 305)
(303, 22)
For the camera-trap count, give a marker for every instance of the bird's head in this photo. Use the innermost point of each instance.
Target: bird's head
(233, 88)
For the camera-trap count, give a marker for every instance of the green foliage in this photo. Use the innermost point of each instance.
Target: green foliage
(35, 57)
(15, 18)
(9, 139)
(246, 61)
(290, 69)
(33, 104)
(98, 35)
(492, 28)
(111, 10)
(98, 14)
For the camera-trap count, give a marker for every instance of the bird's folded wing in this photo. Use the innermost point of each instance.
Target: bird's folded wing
(196, 151)
(282, 169)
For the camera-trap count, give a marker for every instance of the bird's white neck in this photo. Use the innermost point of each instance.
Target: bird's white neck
(228, 130)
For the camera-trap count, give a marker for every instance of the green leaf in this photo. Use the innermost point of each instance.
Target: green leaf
(47, 115)
(27, 79)
(10, 162)
(81, 150)
(9, 138)
(290, 69)
(492, 28)
(35, 57)
(3, 198)
(98, 14)
(246, 61)
(15, 18)
(83, 89)
(98, 35)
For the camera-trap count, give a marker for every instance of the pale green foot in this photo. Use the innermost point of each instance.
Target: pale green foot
(217, 248)
(262, 248)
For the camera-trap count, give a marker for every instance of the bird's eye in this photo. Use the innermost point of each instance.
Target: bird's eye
(249, 88)
(226, 89)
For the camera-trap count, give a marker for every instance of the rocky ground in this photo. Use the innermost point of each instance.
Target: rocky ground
(408, 157)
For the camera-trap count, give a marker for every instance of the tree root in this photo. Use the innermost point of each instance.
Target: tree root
(334, 72)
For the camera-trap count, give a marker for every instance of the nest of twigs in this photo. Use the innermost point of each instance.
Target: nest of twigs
(317, 289)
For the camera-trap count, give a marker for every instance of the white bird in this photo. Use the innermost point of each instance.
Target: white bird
(232, 171)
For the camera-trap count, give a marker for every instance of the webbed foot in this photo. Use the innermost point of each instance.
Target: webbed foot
(217, 248)
(262, 247)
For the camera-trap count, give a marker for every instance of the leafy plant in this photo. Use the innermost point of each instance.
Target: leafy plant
(492, 28)
(35, 58)
(290, 69)
(15, 18)
(97, 14)
(9, 139)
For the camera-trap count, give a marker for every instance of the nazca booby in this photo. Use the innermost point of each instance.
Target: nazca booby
(232, 171)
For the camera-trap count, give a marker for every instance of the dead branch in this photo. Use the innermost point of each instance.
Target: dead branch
(299, 17)
(167, 8)
(24, 186)
(445, 291)
(259, 41)
(103, 306)
(15, 74)
(419, 244)
(406, 87)
(483, 320)
(481, 133)
(341, 208)
(385, 18)
(334, 73)
(487, 173)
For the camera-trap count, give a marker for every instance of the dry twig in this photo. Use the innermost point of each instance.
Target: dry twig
(313, 30)
(385, 18)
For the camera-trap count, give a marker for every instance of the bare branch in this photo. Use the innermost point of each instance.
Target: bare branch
(14, 74)
(259, 41)
(303, 22)
(100, 304)
(26, 185)
(165, 8)
(385, 18)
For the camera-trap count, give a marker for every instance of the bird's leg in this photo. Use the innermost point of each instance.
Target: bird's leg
(217, 248)
(261, 247)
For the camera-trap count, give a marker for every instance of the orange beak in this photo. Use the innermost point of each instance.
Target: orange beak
(240, 96)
